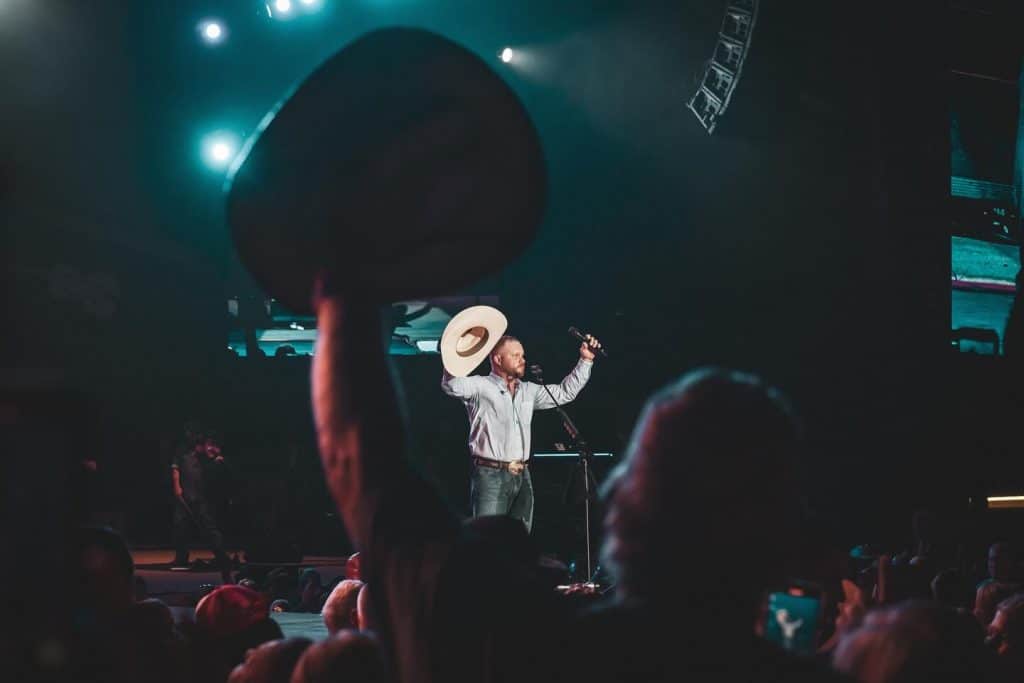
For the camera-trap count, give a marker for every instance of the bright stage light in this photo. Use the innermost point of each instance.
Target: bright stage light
(219, 148)
(280, 9)
(290, 9)
(212, 31)
(221, 152)
(507, 55)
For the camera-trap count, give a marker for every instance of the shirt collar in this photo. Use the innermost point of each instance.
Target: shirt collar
(501, 380)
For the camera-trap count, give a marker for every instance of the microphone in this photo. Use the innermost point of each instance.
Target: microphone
(582, 337)
(536, 372)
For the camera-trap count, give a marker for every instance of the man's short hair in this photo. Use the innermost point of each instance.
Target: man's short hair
(505, 339)
(339, 611)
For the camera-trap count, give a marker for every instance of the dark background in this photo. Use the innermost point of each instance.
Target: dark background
(806, 240)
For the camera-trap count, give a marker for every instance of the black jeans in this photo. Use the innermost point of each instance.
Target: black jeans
(203, 519)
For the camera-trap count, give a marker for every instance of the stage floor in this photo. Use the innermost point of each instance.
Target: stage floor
(180, 589)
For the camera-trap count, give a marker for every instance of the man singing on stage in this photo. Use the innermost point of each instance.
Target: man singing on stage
(189, 479)
(500, 407)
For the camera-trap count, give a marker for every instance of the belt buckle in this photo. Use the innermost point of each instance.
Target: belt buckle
(516, 467)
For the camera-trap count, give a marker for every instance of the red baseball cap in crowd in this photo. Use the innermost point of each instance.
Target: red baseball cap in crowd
(231, 609)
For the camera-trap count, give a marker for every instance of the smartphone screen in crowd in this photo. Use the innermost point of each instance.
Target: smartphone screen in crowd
(792, 617)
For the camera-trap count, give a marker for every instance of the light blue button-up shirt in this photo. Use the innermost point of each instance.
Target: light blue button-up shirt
(499, 423)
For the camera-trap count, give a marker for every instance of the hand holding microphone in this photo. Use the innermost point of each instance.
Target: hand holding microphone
(590, 346)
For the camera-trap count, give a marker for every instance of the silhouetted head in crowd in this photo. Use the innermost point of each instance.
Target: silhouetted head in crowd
(950, 588)
(1001, 562)
(988, 596)
(915, 642)
(344, 656)
(310, 576)
(153, 616)
(105, 570)
(711, 461)
(311, 590)
(284, 350)
(340, 611)
(280, 605)
(280, 583)
(149, 647)
(271, 662)
(1006, 631)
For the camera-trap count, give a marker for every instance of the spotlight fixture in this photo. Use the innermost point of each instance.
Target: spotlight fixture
(212, 31)
(507, 55)
(219, 148)
(279, 9)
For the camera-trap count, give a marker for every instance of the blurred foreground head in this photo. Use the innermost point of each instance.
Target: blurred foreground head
(710, 465)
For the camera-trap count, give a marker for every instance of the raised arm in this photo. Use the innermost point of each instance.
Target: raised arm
(359, 429)
(459, 387)
(568, 389)
(398, 521)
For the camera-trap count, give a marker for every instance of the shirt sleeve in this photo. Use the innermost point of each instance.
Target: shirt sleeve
(567, 390)
(459, 387)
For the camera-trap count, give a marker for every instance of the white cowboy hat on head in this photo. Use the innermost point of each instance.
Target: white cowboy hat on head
(469, 337)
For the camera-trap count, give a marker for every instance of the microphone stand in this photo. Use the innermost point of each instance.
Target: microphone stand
(583, 463)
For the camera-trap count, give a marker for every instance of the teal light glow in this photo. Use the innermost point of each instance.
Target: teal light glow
(219, 148)
(212, 31)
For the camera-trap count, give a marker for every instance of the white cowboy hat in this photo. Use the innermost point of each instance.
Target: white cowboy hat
(469, 337)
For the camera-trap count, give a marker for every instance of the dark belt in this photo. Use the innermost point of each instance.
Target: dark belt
(513, 466)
